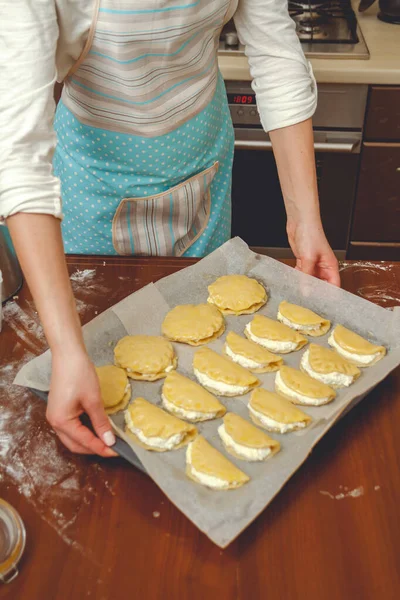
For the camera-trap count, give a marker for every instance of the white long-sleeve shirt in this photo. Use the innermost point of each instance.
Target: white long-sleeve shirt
(40, 40)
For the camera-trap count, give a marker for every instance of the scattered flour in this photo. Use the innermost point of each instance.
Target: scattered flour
(54, 481)
(356, 493)
(365, 266)
(386, 293)
(26, 325)
(83, 277)
(380, 295)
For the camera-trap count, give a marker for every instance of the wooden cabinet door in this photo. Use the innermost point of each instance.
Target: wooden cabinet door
(377, 208)
(383, 117)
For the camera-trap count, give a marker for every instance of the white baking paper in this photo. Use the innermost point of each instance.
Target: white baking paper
(222, 516)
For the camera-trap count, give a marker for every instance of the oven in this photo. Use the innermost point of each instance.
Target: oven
(258, 213)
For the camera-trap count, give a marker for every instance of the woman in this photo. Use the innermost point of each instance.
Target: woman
(144, 152)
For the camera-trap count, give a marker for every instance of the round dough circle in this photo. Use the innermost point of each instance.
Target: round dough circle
(193, 324)
(145, 357)
(237, 294)
(113, 387)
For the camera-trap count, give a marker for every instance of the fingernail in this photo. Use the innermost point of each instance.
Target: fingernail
(109, 438)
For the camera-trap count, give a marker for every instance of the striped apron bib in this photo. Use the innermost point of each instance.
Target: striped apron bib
(145, 138)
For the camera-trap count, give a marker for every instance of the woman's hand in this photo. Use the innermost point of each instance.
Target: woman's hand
(74, 390)
(313, 253)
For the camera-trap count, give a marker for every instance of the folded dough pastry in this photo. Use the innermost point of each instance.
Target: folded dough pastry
(221, 375)
(193, 324)
(243, 440)
(275, 413)
(355, 348)
(154, 429)
(205, 465)
(300, 388)
(145, 357)
(328, 366)
(250, 355)
(115, 388)
(187, 399)
(237, 294)
(273, 335)
(302, 319)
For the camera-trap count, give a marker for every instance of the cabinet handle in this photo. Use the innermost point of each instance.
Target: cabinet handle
(340, 147)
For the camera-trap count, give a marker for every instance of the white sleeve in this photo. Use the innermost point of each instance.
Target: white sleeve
(283, 80)
(28, 43)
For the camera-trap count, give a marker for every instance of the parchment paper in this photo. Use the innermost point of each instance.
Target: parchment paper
(222, 516)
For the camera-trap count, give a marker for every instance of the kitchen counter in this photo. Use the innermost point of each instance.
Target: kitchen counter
(100, 529)
(383, 66)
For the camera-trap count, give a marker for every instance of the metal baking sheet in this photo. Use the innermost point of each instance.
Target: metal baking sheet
(120, 447)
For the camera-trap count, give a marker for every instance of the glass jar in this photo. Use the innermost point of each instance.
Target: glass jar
(12, 541)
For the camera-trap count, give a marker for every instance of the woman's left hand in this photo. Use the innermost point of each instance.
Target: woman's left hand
(313, 253)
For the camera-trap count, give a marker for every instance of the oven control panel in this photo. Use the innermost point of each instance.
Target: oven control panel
(242, 104)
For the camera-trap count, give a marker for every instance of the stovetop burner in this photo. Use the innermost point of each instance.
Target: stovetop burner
(333, 21)
(325, 28)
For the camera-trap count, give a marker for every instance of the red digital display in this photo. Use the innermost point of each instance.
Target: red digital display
(241, 99)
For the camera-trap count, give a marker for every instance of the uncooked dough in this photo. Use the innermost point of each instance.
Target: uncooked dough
(193, 324)
(115, 388)
(145, 357)
(237, 294)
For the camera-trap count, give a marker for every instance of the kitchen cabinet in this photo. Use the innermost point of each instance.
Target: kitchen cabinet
(383, 117)
(376, 219)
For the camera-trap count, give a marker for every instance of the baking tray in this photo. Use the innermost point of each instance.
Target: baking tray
(120, 446)
(220, 515)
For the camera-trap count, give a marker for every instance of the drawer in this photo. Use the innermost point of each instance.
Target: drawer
(373, 251)
(377, 207)
(383, 115)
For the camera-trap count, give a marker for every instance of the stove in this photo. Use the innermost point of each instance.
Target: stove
(326, 29)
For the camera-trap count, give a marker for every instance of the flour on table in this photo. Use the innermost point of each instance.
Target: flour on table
(356, 493)
(25, 324)
(83, 277)
(53, 481)
(380, 295)
(365, 266)
(385, 293)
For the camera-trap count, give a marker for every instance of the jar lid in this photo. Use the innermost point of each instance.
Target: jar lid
(12, 541)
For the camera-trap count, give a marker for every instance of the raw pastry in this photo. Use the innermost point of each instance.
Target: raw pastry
(193, 324)
(145, 357)
(274, 336)
(300, 388)
(275, 413)
(221, 375)
(187, 399)
(237, 294)
(154, 429)
(250, 355)
(115, 388)
(355, 348)
(302, 319)
(328, 366)
(243, 440)
(205, 465)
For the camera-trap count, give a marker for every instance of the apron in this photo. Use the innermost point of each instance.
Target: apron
(144, 134)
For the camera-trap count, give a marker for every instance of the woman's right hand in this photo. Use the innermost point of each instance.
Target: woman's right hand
(75, 390)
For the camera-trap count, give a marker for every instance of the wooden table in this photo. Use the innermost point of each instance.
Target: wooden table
(101, 530)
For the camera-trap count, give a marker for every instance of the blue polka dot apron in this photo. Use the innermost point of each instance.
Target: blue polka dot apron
(144, 135)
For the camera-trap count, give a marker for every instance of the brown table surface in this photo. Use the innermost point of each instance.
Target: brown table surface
(100, 529)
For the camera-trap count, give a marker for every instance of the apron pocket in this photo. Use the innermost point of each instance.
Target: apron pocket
(166, 224)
